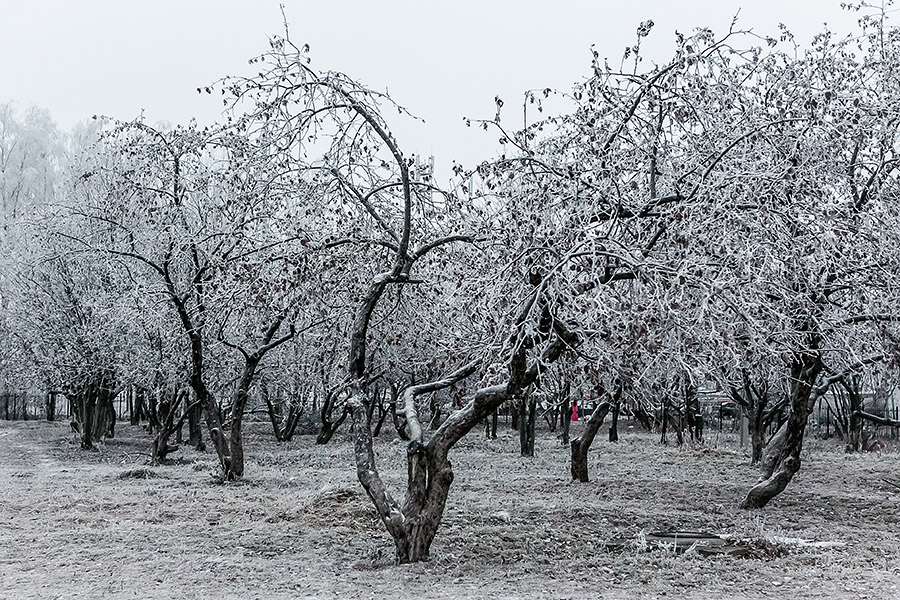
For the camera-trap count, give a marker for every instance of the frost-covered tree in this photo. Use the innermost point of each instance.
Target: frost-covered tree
(193, 215)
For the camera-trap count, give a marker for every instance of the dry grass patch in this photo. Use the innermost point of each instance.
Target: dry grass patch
(87, 524)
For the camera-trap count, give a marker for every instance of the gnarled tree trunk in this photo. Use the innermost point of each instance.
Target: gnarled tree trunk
(413, 523)
(781, 460)
(329, 425)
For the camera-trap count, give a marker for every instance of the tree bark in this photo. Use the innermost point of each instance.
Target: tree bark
(614, 423)
(195, 431)
(51, 405)
(753, 400)
(692, 412)
(413, 523)
(104, 425)
(514, 415)
(582, 443)
(138, 406)
(665, 423)
(527, 418)
(564, 419)
(167, 425)
(781, 460)
(329, 427)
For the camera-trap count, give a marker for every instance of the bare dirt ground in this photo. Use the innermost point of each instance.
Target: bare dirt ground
(299, 526)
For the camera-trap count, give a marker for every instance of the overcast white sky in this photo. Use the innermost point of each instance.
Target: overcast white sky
(441, 59)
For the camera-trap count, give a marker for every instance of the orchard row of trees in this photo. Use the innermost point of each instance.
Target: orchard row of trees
(729, 216)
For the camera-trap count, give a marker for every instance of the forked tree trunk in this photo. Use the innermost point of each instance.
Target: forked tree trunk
(781, 460)
(235, 467)
(582, 443)
(414, 522)
(166, 425)
(329, 427)
(104, 425)
(230, 450)
(282, 425)
(383, 411)
(424, 503)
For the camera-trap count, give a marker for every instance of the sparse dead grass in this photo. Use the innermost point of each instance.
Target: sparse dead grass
(77, 524)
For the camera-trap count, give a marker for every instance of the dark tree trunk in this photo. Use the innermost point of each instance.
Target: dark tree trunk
(138, 406)
(526, 426)
(753, 401)
(167, 425)
(384, 408)
(93, 413)
(329, 427)
(382, 417)
(614, 422)
(664, 428)
(582, 443)
(514, 415)
(195, 431)
(153, 410)
(236, 433)
(692, 412)
(282, 425)
(231, 450)
(850, 405)
(782, 457)
(86, 404)
(757, 439)
(642, 417)
(564, 418)
(104, 424)
(51, 405)
(211, 411)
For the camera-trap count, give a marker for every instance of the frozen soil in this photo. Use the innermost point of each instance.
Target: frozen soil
(77, 524)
